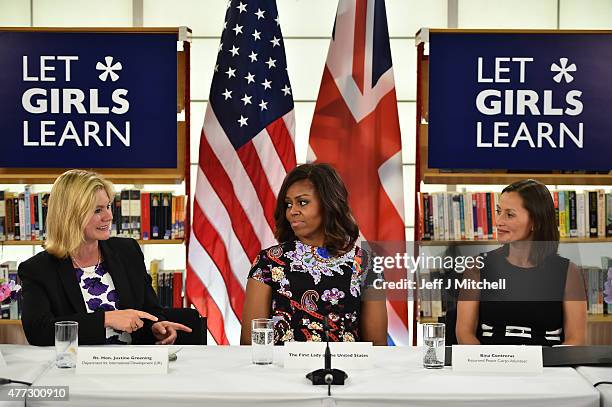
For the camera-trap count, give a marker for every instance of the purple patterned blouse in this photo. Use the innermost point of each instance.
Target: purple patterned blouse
(99, 294)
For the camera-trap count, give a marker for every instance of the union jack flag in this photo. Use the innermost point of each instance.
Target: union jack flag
(246, 149)
(356, 129)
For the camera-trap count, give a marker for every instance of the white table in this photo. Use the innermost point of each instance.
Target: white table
(224, 376)
(595, 375)
(24, 363)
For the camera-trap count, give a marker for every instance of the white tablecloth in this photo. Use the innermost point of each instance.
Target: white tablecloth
(224, 376)
(25, 363)
(599, 374)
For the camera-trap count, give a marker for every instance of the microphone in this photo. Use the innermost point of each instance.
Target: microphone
(327, 375)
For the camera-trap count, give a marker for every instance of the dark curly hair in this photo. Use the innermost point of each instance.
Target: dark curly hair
(538, 202)
(339, 226)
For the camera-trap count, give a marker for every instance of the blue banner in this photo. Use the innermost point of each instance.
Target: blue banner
(89, 100)
(520, 101)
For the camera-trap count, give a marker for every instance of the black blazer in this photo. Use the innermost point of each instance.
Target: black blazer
(50, 293)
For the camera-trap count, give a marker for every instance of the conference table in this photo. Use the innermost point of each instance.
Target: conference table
(601, 377)
(224, 376)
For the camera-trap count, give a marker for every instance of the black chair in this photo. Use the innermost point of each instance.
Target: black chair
(191, 318)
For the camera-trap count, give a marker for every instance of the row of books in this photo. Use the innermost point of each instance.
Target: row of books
(594, 279)
(471, 215)
(457, 216)
(432, 302)
(8, 271)
(168, 284)
(148, 215)
(137, 214)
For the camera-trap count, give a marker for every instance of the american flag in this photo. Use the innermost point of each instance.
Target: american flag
(356, 129)
(246, 149)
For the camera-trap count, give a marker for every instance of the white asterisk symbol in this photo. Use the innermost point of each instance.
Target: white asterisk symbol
(563, 70)
(242, 7)
(256, 35)
(267, 84)
(275, 42)
(227, 94)
(253, 56)
(250, 78)
(264, 105)
(108, 68)
(234, 51)
(260, 13)
(286, 90)
(243, 121)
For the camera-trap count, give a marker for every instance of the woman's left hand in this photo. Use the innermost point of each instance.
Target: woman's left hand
(165, 331)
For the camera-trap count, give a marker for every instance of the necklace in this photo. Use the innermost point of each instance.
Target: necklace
(83, 268)
(315, 253)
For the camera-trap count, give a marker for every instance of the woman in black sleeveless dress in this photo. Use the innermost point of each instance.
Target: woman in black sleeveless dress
(544, 300)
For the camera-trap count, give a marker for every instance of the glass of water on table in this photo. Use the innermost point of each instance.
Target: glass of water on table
(66, 343)
(433, 342)
(262, 341)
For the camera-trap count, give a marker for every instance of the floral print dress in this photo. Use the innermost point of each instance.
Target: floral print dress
(309, 285)
(99, 294)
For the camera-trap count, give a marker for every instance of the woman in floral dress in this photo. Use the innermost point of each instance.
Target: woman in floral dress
(317, 272)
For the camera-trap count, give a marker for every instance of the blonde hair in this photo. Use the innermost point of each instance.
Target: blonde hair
(71, 205)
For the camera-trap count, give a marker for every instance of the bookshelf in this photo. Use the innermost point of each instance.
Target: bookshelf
(176, 177)
(599, 328)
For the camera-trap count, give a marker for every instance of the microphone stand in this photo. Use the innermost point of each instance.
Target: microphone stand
(327, 375)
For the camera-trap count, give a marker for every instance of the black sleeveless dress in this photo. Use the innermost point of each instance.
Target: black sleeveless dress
(529, 311)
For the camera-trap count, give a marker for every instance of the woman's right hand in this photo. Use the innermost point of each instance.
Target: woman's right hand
(126, 320)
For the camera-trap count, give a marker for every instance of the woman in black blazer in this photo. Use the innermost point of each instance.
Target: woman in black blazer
(85, 276)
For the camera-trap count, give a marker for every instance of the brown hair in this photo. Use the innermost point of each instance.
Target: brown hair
(339, 226)
(538, 202)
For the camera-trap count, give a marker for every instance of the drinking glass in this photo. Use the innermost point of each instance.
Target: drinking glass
(262, 341)
(433, 341)
(66, 343)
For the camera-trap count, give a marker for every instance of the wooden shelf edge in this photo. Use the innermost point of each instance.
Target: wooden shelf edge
(495, 242)
(435, 177)
(10, 322)
(40, 242)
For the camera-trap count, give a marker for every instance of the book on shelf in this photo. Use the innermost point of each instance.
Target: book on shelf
(136, 214)
(12, 310)
(2, 216)
(472, 215)
(168, 284)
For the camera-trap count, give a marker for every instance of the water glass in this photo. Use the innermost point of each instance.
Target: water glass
(433, 341)
(262, 341)
(66, 343)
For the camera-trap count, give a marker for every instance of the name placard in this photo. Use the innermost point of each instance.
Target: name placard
(122, 359)
(497, 358)
(345, 355)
